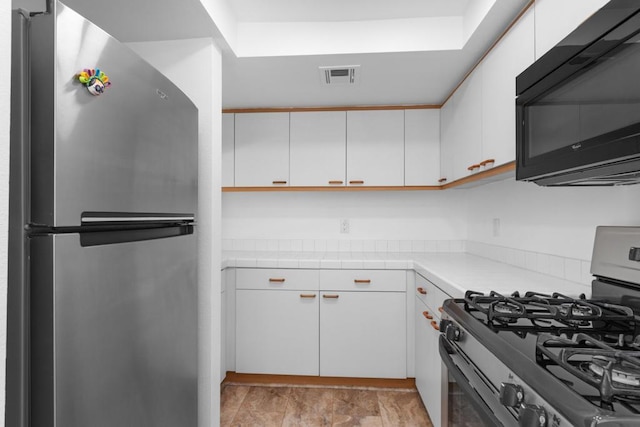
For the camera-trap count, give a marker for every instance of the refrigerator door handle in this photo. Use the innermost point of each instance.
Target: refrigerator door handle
(135, 217)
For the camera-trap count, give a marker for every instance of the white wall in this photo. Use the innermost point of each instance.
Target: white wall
(5, 89)
(391, 215)
(195, 66)
(557, 221)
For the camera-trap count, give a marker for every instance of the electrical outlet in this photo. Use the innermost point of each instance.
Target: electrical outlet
(496, 227)
(344, 226)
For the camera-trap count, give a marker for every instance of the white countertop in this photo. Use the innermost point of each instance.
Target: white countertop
(454, 273)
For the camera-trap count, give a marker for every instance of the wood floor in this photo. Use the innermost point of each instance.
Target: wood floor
(311, 406)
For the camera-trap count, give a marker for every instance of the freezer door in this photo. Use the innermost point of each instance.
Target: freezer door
(114, 333)
(131, 149)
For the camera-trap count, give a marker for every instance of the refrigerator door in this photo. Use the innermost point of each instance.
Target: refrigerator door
(131, 149)
(114, 332)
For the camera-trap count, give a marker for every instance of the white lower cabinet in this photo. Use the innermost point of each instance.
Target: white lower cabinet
(277, 332)
(355, 327)
(431, 377)
(362, 334)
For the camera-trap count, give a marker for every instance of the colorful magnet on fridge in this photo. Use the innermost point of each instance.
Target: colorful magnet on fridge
(95, 80)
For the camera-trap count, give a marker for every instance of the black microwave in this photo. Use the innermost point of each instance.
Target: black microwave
(578, 106)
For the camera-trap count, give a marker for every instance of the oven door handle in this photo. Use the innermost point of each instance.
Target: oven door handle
(446, 350)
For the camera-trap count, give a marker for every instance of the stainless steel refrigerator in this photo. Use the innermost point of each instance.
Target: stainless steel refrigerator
(102, 279)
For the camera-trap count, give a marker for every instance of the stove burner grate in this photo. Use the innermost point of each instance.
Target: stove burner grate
(614, 372)
(549, 312)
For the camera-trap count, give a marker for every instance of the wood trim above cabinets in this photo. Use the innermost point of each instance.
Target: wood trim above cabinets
(346, 108)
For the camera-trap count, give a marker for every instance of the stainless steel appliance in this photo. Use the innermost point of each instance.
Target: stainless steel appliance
(102, 288)
(578, 106)
(551, 360)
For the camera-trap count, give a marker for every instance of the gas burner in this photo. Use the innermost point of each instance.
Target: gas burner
(505, 312)
(576, 314)
(622, 372)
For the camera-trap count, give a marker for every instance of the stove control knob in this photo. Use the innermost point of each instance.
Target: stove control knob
(511, 394)
(532, 416)
(444, 323)
(452, 332)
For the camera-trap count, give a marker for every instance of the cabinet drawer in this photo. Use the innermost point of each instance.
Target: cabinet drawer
(430, 294)
(363, 280)
(268, 278)
(430, 316)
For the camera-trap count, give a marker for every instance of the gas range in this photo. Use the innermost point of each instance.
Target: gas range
(553, 360)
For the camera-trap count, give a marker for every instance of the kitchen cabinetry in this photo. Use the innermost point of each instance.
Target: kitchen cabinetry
(499, 70)
(375, 148)
(478, 120)
(277, 321)
(421, 147)
(431, 378)
(555, 19)
(318, 150)
(228, 149)
(465, 131)
(261, 149)
(321, 322)
(363, 323)
(447, 136)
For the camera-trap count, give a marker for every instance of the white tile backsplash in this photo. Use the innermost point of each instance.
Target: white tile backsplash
(344, 245)
(575, 270)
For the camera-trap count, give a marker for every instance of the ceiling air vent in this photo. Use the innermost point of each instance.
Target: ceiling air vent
(340, 75)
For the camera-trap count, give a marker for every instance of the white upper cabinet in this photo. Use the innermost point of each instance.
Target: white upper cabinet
(555, 19)
(447, 135)
(467, 116)
(510, 57)
(421, 147)
(228, 149)
(375, 148)
(262, 150)
(318, 148)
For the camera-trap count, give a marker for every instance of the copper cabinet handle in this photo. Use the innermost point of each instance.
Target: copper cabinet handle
(441, 309)
(361, 280)
(331, 296)
(434, 325)
(307, 295)
(336, 182)
(276, 280)
(427, 315)
(441, 180)
(356, 182)
(474, 166)
(278, 182)
(484, 162)
(421, 290)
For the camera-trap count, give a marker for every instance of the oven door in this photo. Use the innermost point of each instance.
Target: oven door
(470, 401)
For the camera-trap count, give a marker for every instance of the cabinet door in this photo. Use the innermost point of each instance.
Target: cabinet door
(555, 19)
(262, 149)
(467, 120)
(375, 148)
(510, 57)
(430, 377)
(421, 147)
(423, 355)
(318, 148)
(277, 332)
(363, 334)
(228, 141)
(447, 135)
